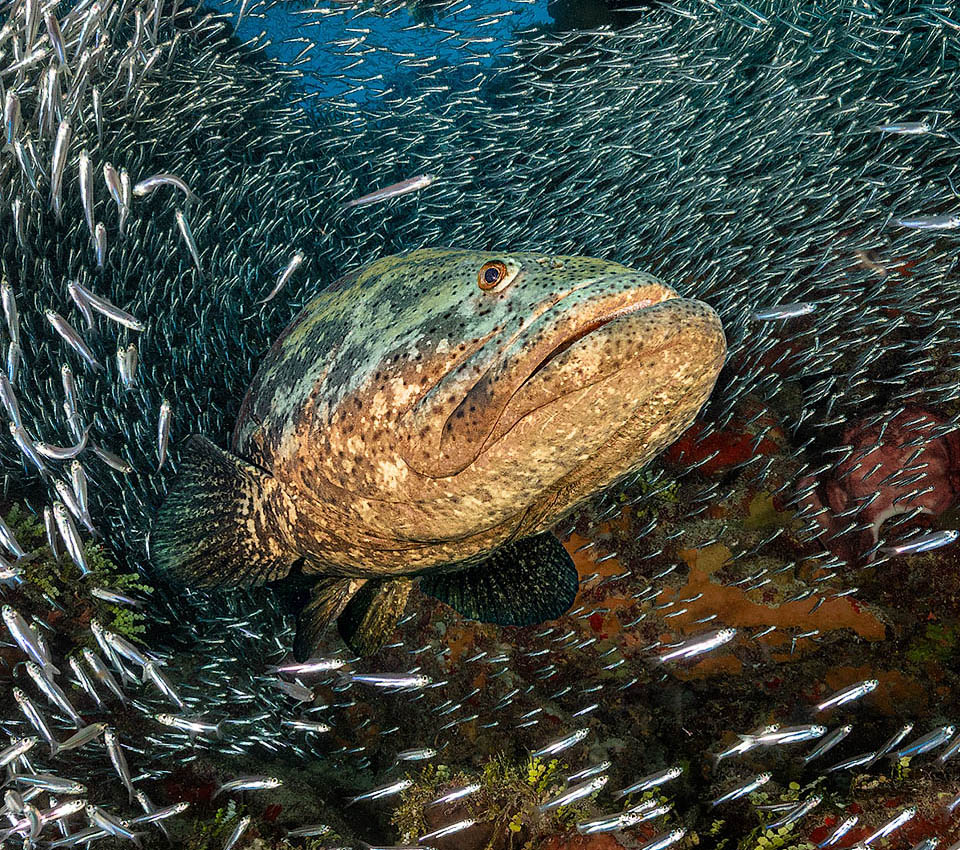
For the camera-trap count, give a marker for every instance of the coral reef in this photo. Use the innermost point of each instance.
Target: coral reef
(906, 464)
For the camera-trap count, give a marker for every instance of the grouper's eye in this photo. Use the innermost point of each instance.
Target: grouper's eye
(491, 275)
(497, 274)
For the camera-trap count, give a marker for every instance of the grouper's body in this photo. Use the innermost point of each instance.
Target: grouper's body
(433, 415)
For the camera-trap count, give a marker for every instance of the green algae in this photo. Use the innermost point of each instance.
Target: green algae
(936, 644)
(47, 580)
(507, 803)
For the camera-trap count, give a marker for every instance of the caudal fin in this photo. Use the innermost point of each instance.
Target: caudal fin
(215, 528)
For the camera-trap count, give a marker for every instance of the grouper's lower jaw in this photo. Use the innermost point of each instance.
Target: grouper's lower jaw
(656, 356)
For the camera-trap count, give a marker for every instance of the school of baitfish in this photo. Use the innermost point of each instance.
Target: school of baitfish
(172, 198)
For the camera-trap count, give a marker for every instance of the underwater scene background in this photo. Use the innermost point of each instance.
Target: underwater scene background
(778, 584)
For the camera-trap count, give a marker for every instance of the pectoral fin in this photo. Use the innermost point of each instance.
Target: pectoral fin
(215, 528)
(520, 584)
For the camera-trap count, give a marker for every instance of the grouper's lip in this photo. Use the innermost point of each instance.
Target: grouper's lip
(591, 326)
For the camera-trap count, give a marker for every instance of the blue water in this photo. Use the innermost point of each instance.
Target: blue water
(285, 29)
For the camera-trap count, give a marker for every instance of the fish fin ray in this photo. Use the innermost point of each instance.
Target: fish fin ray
(328, 598)
(372, 615)
(522, 583)
(213, 529)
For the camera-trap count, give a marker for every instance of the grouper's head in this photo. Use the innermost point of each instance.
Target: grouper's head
(505, 388)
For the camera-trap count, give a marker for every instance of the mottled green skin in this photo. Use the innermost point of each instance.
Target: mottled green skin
(406, 425)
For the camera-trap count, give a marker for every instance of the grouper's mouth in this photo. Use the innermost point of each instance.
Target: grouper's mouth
(589, 328)
(588, 332)
(577, 348)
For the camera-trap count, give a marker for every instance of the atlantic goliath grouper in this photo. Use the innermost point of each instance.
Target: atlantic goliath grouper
(431, 416)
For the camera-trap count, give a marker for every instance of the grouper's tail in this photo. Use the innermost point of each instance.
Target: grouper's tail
(215, 529)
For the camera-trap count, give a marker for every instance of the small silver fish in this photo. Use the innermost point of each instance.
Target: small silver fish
(81, 678)
(111, 460)
(17, 749)
(24, 637)
(100, 243)
(922, 542)
(416, 754)
(577, 792)
(382, 791)
(285, 275)
(14, 356)
(249, 783)
(664, 840)
(742, 790)
(895, 739)
(71, 537)
(391, 680)
(792, 734)
(944, 221)
(60, 148)
(84, 736)
(148, 184)
(86, 189)
(70, 336)
(905, 128)
(456, 794)
(10, 311)
(104, 307)
(127, 359)
(411, 184)
(783, 311)
(163, 431)
(36, 719)
(152, 672)
(828, 743)
(62, 452)
(11, 116)
(107, 822)
(9, 540)
(309, 831)
(315, 726)
(112, 178)
(156, 815)
(561, 744)
(102, 674)
(190, 725)
(452, 829)
(699, 644)
(651, 781)
(587, 772)
(187, 235)
(118, 760)
(849, 693)
(117, 597)
(927, 742)
(294, 690)
(237, 832)
(795, 814)
(27, 448)
(53, 692)
(892, 825)
(311, 665)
